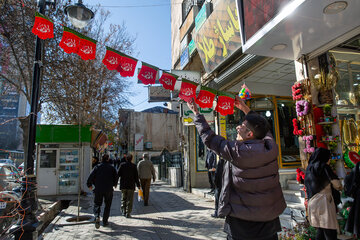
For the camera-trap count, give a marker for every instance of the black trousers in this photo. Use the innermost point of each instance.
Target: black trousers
(99, 196)
(211, 175)
(326, 234)
(217, 195)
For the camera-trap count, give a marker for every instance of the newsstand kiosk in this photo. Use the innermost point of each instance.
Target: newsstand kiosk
(63, 159)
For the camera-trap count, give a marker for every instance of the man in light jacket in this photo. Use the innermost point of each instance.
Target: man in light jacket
(251, 197)
(146, 171)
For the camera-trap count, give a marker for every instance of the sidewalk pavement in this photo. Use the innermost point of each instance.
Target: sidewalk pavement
(171, 214)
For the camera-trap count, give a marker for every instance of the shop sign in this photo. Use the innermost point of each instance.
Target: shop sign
(223, 126)
(219, 36)
(257, 13)
(184, 43)
(139, 142)
(192, 47)
(159, 94)
(201, 17)
(188, 115)
(184, 58)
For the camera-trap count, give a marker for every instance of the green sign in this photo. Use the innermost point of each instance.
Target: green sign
(200, 18)
(192, 47)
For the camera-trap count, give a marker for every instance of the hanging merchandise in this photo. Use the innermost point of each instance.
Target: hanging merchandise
(112, 58)
(308, 148)
(297, 91)
(70, 41)
(245, 93)
(206, 97)
(168, 80)
(43, 26)
(351, 158)
(87, 48)
(225, 103)
(297, 131)
(147, 74)
(127, 66)
(302, 108)
(187, 90)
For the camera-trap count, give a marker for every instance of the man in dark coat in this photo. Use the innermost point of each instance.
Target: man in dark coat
(104, 178)
(251, 197)
(210, 164)
(218, 184)
(128, 178)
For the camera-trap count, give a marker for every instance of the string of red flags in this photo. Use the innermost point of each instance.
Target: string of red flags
(205, 98)
(43, 26)
(147, 73)
(75, 42)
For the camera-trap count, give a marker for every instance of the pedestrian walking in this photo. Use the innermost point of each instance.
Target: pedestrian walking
(218, 185)
(104, 178)
(251, 198)
(128, 178)
(123, 159)
(210, 164)
(146, 172)
(322, 189)
(117, 161)
(94, 161)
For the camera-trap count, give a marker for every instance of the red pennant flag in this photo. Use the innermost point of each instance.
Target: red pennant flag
(168, 80)
(187, 90)
(147, 74)
(206, 97)
(127, 66)
(112, 58)
(43, 26)
(225, 103)
(70, 41)
(87, 48)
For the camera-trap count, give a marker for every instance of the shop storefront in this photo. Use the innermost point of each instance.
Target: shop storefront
(63, 159)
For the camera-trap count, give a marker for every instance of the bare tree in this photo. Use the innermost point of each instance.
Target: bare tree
(72, 90)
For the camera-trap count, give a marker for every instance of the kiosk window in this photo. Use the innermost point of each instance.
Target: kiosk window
(48, 159)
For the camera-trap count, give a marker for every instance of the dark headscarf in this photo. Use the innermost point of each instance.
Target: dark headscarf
(318, 172)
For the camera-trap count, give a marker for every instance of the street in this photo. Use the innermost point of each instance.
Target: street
(171, 214)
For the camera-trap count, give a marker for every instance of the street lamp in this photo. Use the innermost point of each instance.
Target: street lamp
(79, 15)
(26, 228)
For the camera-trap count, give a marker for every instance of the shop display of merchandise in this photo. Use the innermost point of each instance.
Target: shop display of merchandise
(244, 93)
(351, 158)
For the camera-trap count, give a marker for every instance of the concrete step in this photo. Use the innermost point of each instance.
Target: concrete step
(203, 192)
(296, 209)
(290, 222)
(294, 185)
(293, 196)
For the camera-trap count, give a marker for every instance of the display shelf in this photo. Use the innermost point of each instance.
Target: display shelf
(326, 123)
(69, 164)
(323, 105)
(69, 171)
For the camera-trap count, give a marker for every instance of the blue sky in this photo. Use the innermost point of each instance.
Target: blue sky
(149, 20)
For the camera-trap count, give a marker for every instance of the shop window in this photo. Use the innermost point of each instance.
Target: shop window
(289, 143)
(347, 91)
(201, 152)
(48, 159)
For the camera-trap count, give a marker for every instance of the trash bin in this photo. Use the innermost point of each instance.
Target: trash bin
(175, 176)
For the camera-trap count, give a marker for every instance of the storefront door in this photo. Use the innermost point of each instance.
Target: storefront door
(47, 172)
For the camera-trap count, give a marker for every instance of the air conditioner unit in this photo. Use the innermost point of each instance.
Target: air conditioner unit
(148, 145)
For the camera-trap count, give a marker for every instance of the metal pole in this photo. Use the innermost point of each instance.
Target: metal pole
(35, 93)
(27, 228)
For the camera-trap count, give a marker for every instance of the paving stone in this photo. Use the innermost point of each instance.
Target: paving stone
(171, 214)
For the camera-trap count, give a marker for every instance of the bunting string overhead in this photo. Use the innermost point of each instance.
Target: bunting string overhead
(85, 47)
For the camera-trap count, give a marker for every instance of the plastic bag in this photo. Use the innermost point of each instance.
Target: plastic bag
(140, 195)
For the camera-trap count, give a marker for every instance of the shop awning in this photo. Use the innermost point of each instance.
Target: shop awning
(301, 27)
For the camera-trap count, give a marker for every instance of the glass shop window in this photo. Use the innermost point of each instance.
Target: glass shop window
(289, 143)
